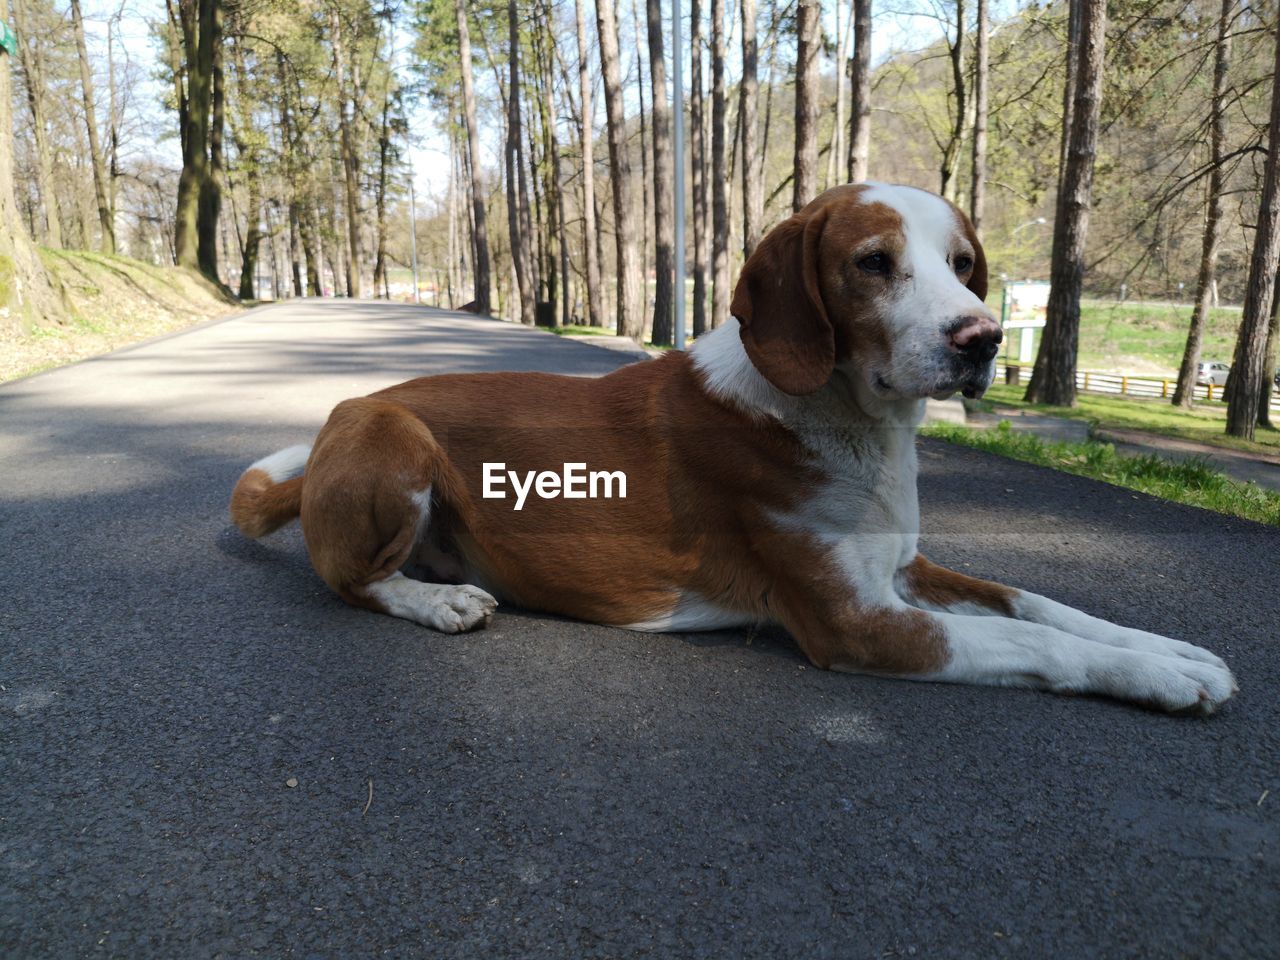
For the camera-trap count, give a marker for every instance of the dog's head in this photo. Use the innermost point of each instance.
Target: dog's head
(885, 283)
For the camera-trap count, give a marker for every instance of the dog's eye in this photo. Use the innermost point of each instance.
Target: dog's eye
(876, 263)
(962, 263)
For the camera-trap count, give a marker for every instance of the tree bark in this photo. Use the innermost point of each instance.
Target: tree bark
(1269, 362)
(210, 210)
(480, 225)
(350, 162)
(698, 172)
(105, 218)
(32, 61)
(1184, 393)
(595, 305)
(197, 22)
(1244, 390)
(860, 101)
(720, 291)
(1053, 380)
(978, 185)
(646, 183)
(808, 47)
(663, 174)
(951, 155)
(630, 323)
(517, 190)
(748, 92)
(835, 147)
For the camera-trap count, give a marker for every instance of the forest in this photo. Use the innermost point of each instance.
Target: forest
(519, 158)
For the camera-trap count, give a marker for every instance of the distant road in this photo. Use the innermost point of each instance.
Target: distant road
(204, 753)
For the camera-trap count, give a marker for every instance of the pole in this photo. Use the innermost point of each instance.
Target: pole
(413, 233)
(677, 95)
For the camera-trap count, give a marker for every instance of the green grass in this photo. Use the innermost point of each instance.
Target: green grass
(1148, 338)
(573, 331)
(1202, 424)
(1192, 482)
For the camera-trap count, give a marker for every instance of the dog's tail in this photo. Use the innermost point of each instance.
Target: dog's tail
(269, 494)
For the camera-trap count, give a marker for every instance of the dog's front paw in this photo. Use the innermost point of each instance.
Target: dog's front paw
(458, 609)
(1173, 683)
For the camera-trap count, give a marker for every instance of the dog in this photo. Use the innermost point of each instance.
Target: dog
(767, 475)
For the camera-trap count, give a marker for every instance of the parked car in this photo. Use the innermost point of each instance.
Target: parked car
(1212, 371)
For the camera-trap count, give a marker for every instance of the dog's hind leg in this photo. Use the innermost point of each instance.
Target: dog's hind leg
(367, 503)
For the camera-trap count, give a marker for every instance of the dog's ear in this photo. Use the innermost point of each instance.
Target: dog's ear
(781, 317)
(978, 279)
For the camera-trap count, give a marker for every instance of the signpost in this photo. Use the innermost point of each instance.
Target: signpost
(1024, 307)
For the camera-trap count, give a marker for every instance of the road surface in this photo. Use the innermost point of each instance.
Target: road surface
(205, 754)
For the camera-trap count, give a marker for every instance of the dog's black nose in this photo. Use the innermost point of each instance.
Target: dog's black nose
(977, 339)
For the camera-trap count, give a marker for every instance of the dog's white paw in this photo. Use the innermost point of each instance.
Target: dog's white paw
(459, 609)
(1164, 646)
(1172, 683)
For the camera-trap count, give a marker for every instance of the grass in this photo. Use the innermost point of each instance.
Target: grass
(1192, 482)
(1149, 338)
(1202, 424)
(112, 301)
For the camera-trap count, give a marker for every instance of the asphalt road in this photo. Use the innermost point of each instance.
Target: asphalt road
(550, 788)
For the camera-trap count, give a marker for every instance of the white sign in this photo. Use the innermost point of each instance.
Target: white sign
(1025, 304)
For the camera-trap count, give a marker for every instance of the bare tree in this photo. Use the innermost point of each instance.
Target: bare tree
(978, 185)
(698, 169)
(835, 149)
(105, 216)
(1248, 374)
(860, 102)
(808, 47)
(31, 58)
(752, 159)
(1053, 380)
(663, 200)
(720, 291)
(1184, 393)
(949, 172)
(517, 191)
(480, 225)
(589, 235)
(630, 323)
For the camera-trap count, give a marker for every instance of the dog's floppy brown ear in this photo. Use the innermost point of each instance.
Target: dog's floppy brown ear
(978, 279)
(781, 317)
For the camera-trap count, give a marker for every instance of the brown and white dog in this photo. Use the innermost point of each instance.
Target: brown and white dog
(769, 475)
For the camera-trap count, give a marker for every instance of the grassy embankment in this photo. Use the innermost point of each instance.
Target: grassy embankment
(111, 302)
(1190, 481)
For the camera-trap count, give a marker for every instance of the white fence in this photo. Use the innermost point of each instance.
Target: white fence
(1133, 385)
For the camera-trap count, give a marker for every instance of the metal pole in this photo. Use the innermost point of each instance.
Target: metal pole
(413, 233)
(677, 95)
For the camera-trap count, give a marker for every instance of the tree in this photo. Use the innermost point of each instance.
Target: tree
(808, 46)
(1053, 380)
(860, 102)
(698, 169)
(105, 216)
(752, 177)
(663, 214)
(31, 59)
(199, 197)
(1248, 373)
(1184, 393)
(630, 323)
(589, 237)
(720, 291)
(948, 175)
(480, 229)
(978, 178)
(518, 222)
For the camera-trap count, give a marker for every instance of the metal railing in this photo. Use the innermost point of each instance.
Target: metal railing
(1129, 384)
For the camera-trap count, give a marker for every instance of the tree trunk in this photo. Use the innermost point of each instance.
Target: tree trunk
(253, 238)
(951, 154)
(350, 161)
(1053, 380)
(860, 101)
(1269, 363)
(1184, 393)
(978, 186)
(210, 209)
(1245, 388)
(808, 48)
(720, 290)
(698, 175)
(663, 173)
(835, 147)
(25, 291)
(630, 323)
(517, 193)
(646, 184)
(32, 61)
(480, 228)
(105, 218)
(595, 306)
(752, 183)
